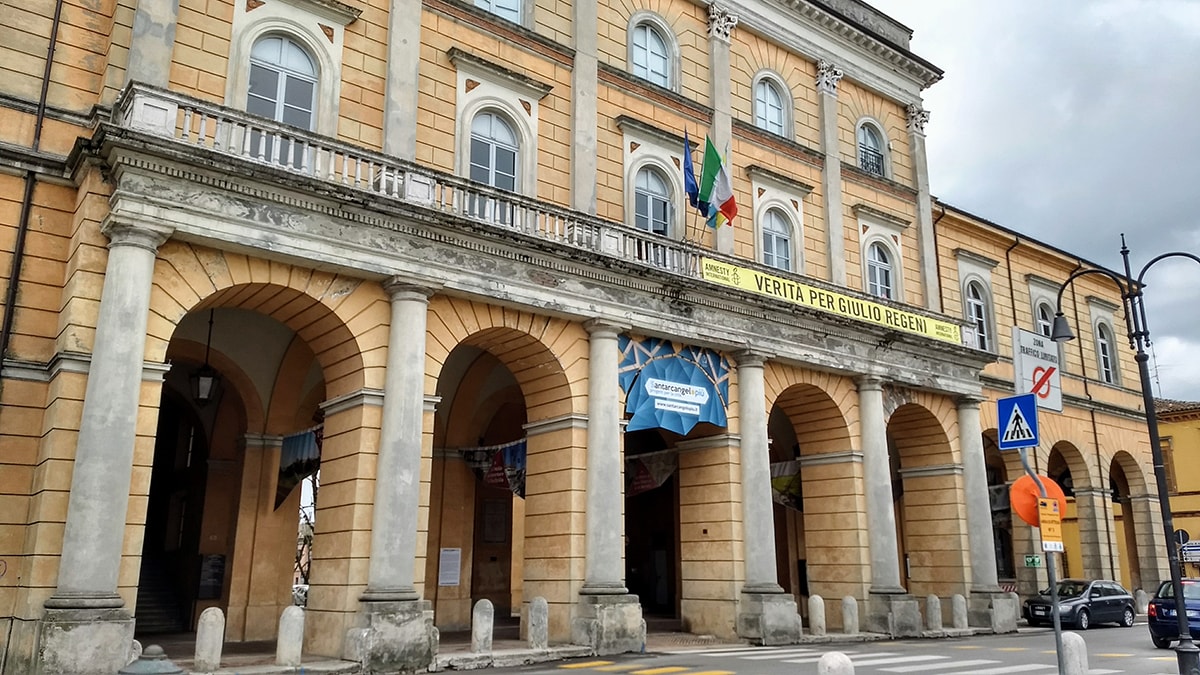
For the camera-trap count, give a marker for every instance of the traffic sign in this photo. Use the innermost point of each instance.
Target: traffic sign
(1182, 537)
(1033, 560)
(1036, 363)
(1190, 552)
(1018, 421)
(1050, 523)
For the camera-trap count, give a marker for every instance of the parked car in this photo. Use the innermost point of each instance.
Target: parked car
(1083, 602)
(1164, 625)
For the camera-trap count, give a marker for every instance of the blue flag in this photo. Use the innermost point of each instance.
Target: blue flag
(690, 186)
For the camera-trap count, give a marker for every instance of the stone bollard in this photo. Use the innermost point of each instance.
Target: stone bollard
(1141, 601)
(958, 612)
(539, 624)
(1075, 657)
(816, 615)
(482, 620)
(152, 660)
(933, 613)
(210, 638)
(835, 663)
(850, 615)
(291, 637)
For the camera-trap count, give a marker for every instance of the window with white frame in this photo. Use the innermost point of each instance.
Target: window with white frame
(871, 148)
(880, 272)
(505, 9)
(652, 201)
(1105, 356)
(650, 54)
(1044, 319)
(777, 240)
(494, 158)
(977, 314)
(769, 111)
(283, 82)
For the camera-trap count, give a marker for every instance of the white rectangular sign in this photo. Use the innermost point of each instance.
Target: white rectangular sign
(449, 567)
(1036, 368)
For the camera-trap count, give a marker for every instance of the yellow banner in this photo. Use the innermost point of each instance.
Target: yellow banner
(820, 299)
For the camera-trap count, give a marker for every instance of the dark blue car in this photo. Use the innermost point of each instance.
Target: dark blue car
(1164, 624)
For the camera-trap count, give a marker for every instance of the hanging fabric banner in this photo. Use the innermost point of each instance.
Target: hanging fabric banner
(648, 471)
(672, 386)
(786, 486)
(299, 459)
(501, 466)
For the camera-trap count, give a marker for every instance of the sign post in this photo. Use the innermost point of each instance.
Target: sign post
(1037, 369)
(1019, 431)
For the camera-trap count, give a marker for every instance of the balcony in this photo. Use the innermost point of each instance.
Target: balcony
(190, 125)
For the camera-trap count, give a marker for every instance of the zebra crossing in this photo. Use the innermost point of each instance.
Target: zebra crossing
(882, 661)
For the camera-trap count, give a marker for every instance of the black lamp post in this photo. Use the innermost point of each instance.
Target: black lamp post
(1139, 336)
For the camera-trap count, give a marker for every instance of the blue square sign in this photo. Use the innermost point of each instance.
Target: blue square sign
(1017, 416)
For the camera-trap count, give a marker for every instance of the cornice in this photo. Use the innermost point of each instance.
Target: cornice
(331, 10)
(615, 77)
(481, 67)
(628, 124)
(514, 34)
(852, 173)
(776, 143)
(779, 180)
(868, 212)
(977, 258)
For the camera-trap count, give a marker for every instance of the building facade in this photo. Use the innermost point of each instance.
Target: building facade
(1179, 429)
(444, 248)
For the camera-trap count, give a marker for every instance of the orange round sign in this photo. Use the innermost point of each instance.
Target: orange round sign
(1024, 497)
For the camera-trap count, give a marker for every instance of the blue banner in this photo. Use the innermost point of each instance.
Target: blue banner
(671, 386)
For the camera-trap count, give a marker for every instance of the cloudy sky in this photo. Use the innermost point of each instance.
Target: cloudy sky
(1073, 121)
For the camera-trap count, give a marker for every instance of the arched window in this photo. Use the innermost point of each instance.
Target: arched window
(977, 314)
(283, 82)
(495, 152)
(1104, 354)
(1045, 319)
(870, 149)
(777, 240)
(879, 271)
(768, 107)
(652, 201)
(505, 9)
(650, 55)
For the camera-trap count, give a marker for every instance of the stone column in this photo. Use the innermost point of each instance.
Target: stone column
(831, 174)
(1095, 527)
(930, 282)
(400, 93)
(584, 84)
(85, 629)
(767, 615)
(979, 508)
(890, 609)
(609, 617)
(152, 44)
(720, 25)
(390, 604)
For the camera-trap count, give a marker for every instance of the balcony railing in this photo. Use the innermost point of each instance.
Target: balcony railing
(870, 160)
(247, 138)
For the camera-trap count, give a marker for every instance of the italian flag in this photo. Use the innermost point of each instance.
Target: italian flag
(716, 188)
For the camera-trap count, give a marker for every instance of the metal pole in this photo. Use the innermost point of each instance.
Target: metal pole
(1051, 572)
(1186, 654)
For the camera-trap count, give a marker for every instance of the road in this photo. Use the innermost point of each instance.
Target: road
(1111, 650)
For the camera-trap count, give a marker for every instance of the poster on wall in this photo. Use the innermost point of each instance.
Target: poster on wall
(671, 386)
(449, 567)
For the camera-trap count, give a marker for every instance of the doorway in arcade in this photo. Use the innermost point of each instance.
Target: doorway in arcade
(651, 523)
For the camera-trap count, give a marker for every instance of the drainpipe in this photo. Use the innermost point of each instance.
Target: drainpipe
(1087, 391)
(14, 277)
(937, 259)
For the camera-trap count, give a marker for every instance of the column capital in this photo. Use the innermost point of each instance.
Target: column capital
(917, 118)
(751, 357)
(400, 288)
(131, 233)
(721, 22)
(869, 383)
(827, 77)
(602, 328)
(968, 401)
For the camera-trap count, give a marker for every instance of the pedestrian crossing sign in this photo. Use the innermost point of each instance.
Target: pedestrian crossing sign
(1017, 416)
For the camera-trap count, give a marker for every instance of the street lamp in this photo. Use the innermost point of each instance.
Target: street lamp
(1139, 336)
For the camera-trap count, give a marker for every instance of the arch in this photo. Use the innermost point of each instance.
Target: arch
(778, 236)
(652, 50)
(665, 171)
(516, 122)
(977, 309)
(1107, 367)
(881, 268)
(1043, 319)
(653, 198)
(772, 103)
(872, 146)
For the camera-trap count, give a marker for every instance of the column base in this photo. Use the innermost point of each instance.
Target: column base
(993, 609)
(768, 618)
(609, 624)
(894, 614)
(393, 636)
(83, 641)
